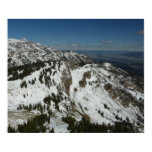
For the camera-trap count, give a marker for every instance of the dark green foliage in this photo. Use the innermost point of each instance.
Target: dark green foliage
(69, 120)
(47, 81)
(44, 107)
(49, 112)
(47, 100)
(19, 107)
(117, 117)
(127, 119)
(140, 118)
(54, 73)
(108, 86)
(45, 75)
(75, 89)
(30, 107)
(122, 127)
(38, 106)
(101, 113)
(54, 62)
(40, 78)
(25, 70)
(51, 131)
(140, 106)
(11, 130)
(23, 84)
(57, 99)
(84, 126)
(59, 65)
(33, 82)
(82, 63)
(25, 107)
(34, 125)
(106, 107)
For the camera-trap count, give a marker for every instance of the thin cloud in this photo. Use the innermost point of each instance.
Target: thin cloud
(74, 45)
(108, 42)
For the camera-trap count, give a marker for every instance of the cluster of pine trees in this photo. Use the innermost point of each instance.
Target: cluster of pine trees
(45, 77)
(34, 125)
(30, 107)
(106, 107)
(101, 113)
(84, 126)
(22, 71)
(24, 83)
(55, 98)
(32, 81)
(37, 106)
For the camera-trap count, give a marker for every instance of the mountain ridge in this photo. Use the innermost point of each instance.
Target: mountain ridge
(22, 52)
(69, 90)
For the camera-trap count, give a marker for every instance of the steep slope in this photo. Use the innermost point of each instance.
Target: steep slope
(69, 93)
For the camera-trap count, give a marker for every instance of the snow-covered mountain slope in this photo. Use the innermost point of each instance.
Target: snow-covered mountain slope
(21, 52)
(101, 93)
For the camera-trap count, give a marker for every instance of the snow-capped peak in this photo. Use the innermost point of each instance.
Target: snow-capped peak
(24, 52)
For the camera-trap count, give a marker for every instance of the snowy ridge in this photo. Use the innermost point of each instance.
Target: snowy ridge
(22, 52)
(88, 98)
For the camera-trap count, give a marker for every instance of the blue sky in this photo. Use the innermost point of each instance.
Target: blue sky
(81, 34)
